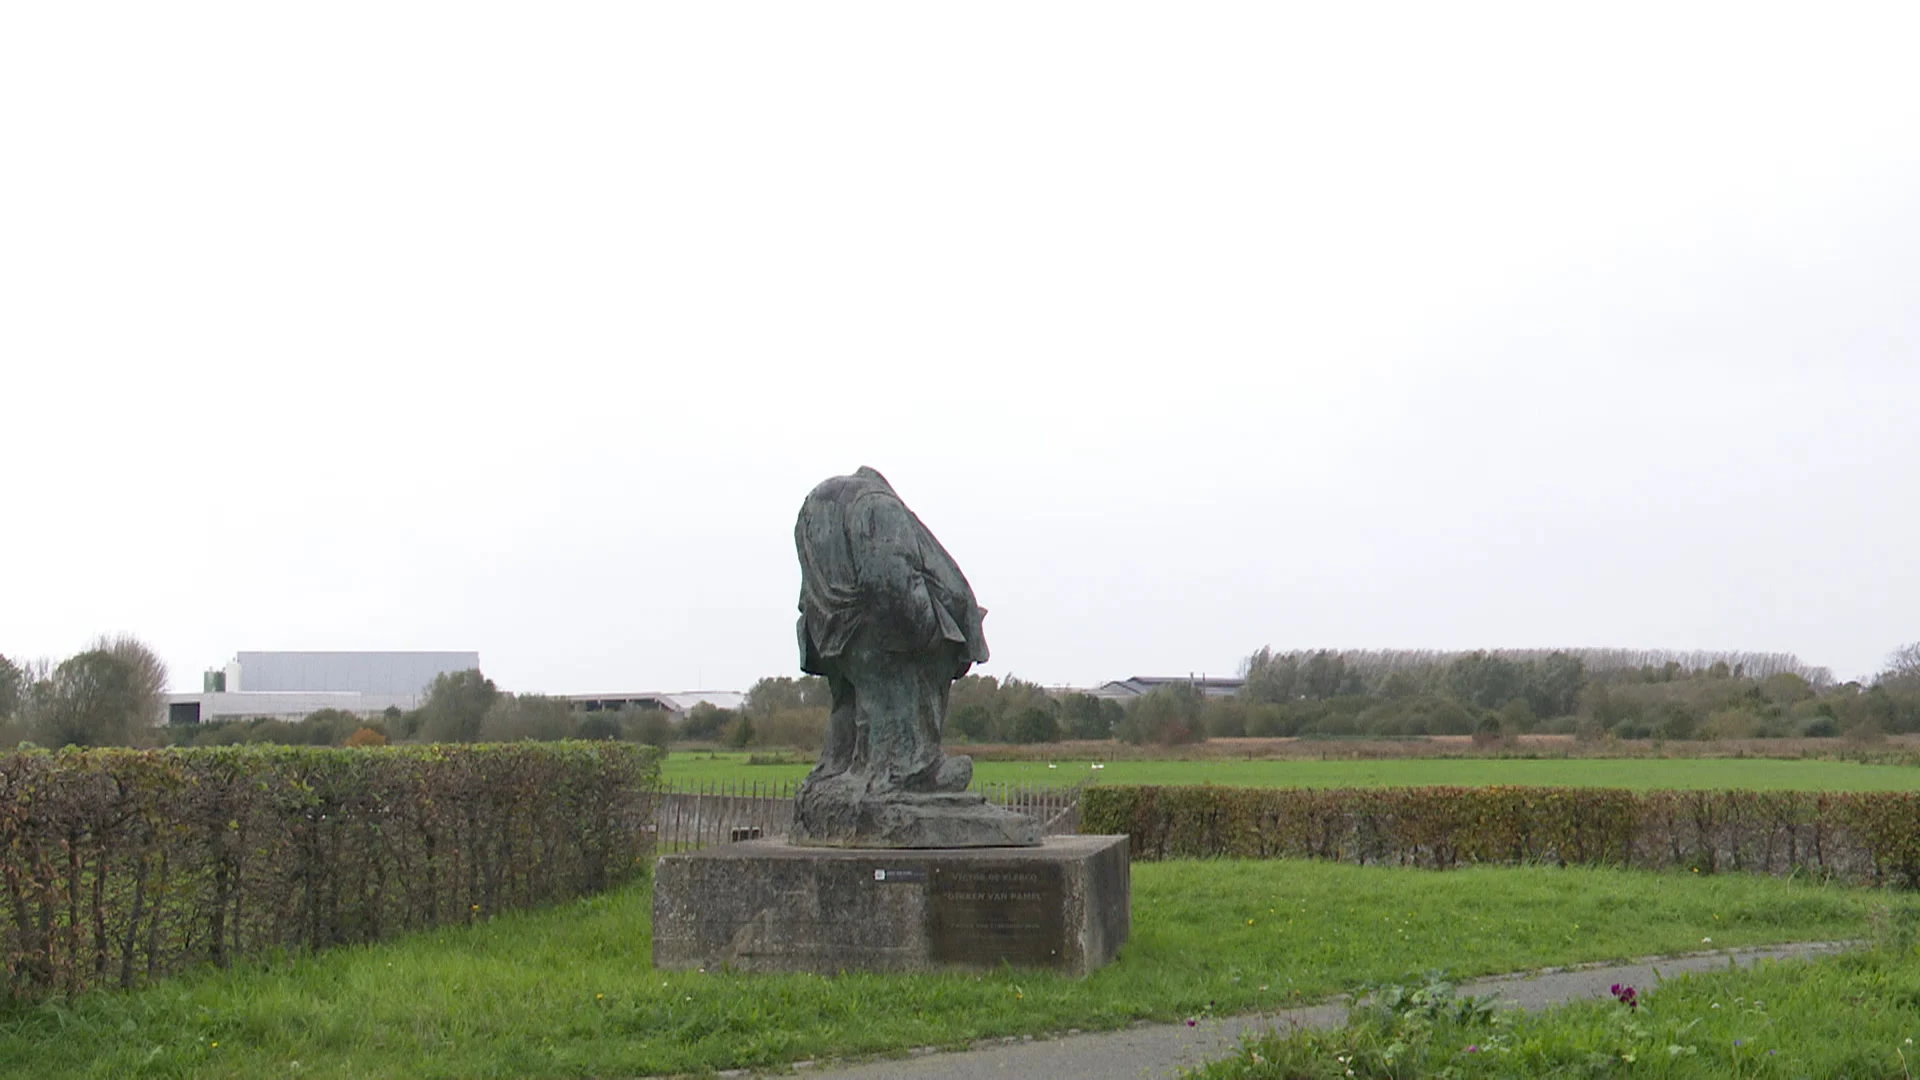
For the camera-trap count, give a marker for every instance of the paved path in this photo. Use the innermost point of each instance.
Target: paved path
(1161, 1050)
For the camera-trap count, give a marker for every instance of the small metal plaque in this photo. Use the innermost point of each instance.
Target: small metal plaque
(986, 915)
(903, 876)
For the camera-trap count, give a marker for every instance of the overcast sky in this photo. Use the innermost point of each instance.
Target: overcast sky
(1186, 328)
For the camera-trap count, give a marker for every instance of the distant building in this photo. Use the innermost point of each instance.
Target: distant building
(392, 673)
(290, 685)
(678, 705)
(1125, 690)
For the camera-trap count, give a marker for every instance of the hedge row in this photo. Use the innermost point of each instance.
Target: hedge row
(117, 866)
(1854, 836)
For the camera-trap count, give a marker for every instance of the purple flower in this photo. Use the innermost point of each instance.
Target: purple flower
(1625, 995)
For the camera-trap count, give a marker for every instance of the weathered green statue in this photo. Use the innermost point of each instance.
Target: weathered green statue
(890, 621)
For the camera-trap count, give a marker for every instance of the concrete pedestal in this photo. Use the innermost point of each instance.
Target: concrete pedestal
(767, 905)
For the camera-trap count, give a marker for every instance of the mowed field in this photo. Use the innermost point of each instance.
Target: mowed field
(1755, 774)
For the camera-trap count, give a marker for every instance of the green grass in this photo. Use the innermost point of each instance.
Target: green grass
(1757, 774)
(1854, 1015)
(570, 991)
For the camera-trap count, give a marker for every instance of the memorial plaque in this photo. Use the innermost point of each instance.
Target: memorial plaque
(987, 914)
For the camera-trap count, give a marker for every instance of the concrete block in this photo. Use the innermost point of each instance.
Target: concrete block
(768, 905)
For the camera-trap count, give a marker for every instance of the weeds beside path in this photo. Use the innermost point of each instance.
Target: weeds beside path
(1172, 1050)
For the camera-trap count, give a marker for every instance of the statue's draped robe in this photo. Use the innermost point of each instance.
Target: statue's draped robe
(889, 619)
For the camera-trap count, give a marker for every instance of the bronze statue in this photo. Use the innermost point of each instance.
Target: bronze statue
(890, 621)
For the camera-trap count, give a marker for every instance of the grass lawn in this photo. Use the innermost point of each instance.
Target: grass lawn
(1855, 1015)
(1758, 774)
(570, 992)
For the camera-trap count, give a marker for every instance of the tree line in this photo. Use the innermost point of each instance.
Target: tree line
(1591, 693)
(114, 694)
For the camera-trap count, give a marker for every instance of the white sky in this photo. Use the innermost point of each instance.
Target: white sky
(1187, 328)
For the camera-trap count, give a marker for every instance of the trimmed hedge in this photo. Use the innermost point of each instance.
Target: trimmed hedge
(117, 866)
(1856, 836)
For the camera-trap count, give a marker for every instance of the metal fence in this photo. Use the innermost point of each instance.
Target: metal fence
(697, 814)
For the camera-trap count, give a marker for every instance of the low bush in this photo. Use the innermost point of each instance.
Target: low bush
(120, 865)
(327, 727)
(1859, 836)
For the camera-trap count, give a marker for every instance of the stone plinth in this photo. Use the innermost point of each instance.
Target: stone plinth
(827, 818)
(768, 905)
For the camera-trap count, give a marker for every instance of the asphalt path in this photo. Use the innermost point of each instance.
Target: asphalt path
(1156, 1051)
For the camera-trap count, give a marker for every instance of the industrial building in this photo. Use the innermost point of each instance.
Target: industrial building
(677, 705)
(1125, 690)
(291, 685)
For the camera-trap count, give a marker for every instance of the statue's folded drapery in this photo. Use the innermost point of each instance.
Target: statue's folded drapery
(889, 619)
(869, 567)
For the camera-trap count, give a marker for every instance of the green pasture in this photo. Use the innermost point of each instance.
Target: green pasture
(1756, 774)
(571, 992)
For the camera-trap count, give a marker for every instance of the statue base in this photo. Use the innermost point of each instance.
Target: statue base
(824, 817)
(767, 905)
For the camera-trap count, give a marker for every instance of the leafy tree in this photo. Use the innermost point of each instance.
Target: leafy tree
(1443, 716)
(1554, 683)
(799, 729)
(1398, 685)
(457, 705)
(1324, 676)
(1903, 669)
(1016, 693)
(1674, 720)
(973, 720)
(652, 726)
(1224, 718)
(111, 695)
(13, 688)
(981, 690)
(407, 724)
(515, 717)
(1270, 678)
(778, 692)
(1167, 715)
(1517, 717)
(1034, 724)
(1820, 727)
(322, 727)
(1271, 721)
(602, 725)
(1786, 688)
(707, 720)
(1084, 716)
(1484, 680)
(740, 734)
